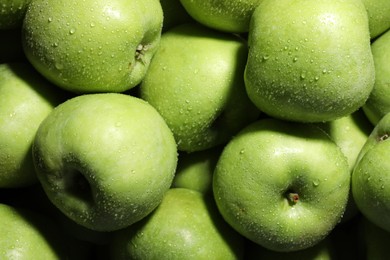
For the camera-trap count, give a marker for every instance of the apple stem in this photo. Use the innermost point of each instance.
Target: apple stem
(293, 197)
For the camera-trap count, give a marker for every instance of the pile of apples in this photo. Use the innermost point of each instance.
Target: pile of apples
(194, 129)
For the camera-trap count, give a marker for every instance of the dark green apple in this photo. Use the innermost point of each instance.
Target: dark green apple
(378, 16)
(12, 13)
(26, 99)
(282, 185)
(186, 225)
(378, 104)
(195, 81)
(92, 46)
(309, 61)
(371, 176)
(105, 160)
(223, 15)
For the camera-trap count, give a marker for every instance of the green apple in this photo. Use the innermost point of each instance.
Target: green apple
(281, 184)
(174, 14)
(371, 176)
(26, 99)
(378, 103)
(350, 133)
(375, 241)
(12, 13)
(378, 16)
(223, 15)
(105, 160)
(195, 170)
(309, 61)
(92, 46)
(195, 81)
(186, 225)
(26, 234)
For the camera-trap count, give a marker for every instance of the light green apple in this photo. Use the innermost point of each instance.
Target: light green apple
(223, 15)
(195, 170)
(105, 160)
(26, 99)
(195, 81)
(378, 103)
(186, 225)
(350, 133)
(309, 61)
(12, 13)
(378, 16)
(92, 46)
(26, 234)
(283, 185)
(371, 176)
(174, 14)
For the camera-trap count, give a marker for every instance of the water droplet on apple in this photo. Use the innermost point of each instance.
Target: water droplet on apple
(59, 66)
(49, 19)
(316, 183)
(72, 31)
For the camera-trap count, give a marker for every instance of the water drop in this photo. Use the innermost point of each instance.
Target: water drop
(72, 31)
(92, 24)
(316, 183)
(59, 66)
(49, 19)
(295, 59)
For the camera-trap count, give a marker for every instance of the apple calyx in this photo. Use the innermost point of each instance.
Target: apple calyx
(383, 137)
(140, 52)
(292, 198)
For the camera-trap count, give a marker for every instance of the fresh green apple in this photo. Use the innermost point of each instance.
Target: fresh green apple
(281, 184)
(195, 81)
(350, 133)
(92, 46)
(195, 170)
(309, 61)
(378, 16)
(375, 241)
(26, 99)
(371, 176)
(378, 103)
(186, 225)
(174, 14)
(12, 13)
(223, 15)
(105, 160)
(26, 234)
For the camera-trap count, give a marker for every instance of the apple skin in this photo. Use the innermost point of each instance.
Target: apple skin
(202, 97)
(371, 176)
(378, 16)
(27, 234)
(195, 170)
(12, 13)
(105, 160)
(222, 15)
(312, 65)
(378, 104)
(26, 99)
(92, 46)
(281, 184)
(350, 133)
(186, 225)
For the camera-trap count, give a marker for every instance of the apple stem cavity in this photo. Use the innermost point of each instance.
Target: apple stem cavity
(140, 52)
